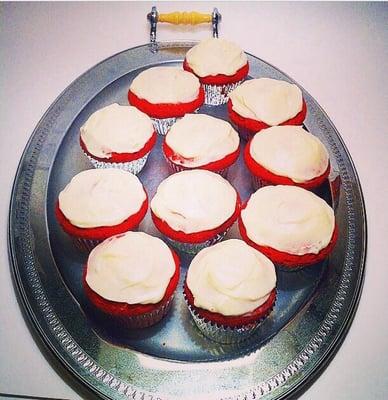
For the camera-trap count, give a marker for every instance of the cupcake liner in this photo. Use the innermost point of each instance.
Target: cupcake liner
(216, 95)
(86, 245)
(225, 334)
(136, 321)
(178, 168)
(162, 125)
(194, 248)
(258, 182)
(296, 268)
(134, 166)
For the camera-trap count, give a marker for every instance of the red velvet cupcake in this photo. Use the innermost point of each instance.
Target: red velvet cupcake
(220, 65)
(118, 137)
(194, 209)
(130, 279)
(201, 141)
(260, 103)
(287, 155)
(165, 94)
(290, 225)
(230, 288)
(99, 203)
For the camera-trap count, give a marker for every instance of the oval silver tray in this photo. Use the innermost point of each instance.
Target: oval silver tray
(314, 308)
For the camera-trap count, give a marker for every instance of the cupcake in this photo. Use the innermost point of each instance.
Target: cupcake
(165, 94)
(194, 209)
(260, 103)
(98, 203)
(201, 141)
(287, 155)
(220, 65)
(230, 289)
(130, 279)
(290, 225)
(118, 137)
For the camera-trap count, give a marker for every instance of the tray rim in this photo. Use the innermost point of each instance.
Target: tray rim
(295, 388)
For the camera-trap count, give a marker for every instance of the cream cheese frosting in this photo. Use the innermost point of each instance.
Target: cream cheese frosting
(290, 151)
(194, 201)
(230, 278)
(268, 100)
(166, 85)
(101, 197)
(201, 139)
(116, 129)
(215, 56)
(289, 219)
(133, 268)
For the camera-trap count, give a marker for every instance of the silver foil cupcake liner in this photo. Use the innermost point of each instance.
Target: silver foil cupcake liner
(86, 245)
(220, 333)
(162, 125)
(216, 95)
(147, 319)
(258, 182)
(134, 166)
(179, 168)
(194, 248)
(296, 268)
(134, 322)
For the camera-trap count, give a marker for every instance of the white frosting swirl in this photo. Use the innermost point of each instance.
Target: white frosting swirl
(116, 129)
(230, 278)
(289, 219)
(101, 197)
(194, 201)
(215, 56)
(201, 139)
(267, 100)
(133, 268)
(290, 151)
(166, 85)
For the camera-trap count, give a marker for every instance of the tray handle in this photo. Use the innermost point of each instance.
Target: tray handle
(185, 18)
(181, 18)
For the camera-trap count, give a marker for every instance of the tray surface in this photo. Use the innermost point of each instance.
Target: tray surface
(172, 359)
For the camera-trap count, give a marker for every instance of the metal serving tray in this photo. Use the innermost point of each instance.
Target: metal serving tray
(313, 312)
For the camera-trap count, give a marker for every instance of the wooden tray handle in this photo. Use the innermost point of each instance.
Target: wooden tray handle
(185, 18)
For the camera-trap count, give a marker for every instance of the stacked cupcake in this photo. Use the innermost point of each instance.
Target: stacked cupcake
(194, 209)
(201, 141)
(220, 65)
(118, 137)
(99, 203)
(287, 155)
(230, 289)
(260, 103)
(165, 94)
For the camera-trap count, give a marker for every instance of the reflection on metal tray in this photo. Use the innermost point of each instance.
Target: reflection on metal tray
(314, 307)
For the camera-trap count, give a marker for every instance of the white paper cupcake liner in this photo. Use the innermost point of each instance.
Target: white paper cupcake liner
(216, 95)
(194, 248)
(223, 334)
(134, 166)
(179, 168)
